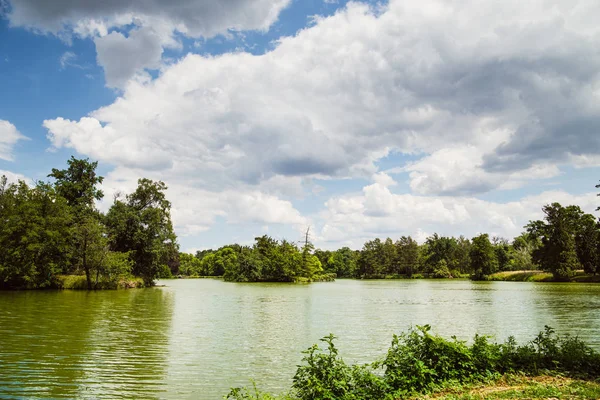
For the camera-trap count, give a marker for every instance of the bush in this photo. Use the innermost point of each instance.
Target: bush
(420, 362)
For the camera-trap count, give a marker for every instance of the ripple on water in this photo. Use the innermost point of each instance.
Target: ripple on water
(197, 338)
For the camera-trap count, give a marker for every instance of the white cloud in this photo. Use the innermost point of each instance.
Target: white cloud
(155, 23)
(121, 57)
(487, 92)
(376, 212)
(12, 177)
(9, 136)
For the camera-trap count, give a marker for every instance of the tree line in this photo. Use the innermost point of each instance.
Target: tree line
(566, 240)
(53, 229)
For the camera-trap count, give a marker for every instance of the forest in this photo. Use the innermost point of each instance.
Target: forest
(567, 240)
(53, 236)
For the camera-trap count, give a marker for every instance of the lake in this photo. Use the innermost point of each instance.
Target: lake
(197, 338)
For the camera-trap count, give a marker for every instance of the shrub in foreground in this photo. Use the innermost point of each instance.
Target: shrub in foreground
(420, 362)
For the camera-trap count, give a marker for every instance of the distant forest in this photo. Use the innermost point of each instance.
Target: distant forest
(566, 240)
(53, 236)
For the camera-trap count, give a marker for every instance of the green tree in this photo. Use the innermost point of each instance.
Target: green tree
(557, 252)
(587, 243)
(189, 265)
(34, 235)
(441, 248)
(370, 261)
(407, 253)
(483, 257)
(246, 269)
(141, 225)
(342, 262)
(311, 265)
(77, 184)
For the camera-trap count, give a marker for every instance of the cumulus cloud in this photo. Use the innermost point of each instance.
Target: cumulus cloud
(377, 212)
(324, 101)
(195, 209)
(192, 17)
(12, 177)
(154, 21)
(121, 57)
(9, 136)
(490, 94)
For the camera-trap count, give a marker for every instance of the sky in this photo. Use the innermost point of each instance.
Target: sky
(357, 119)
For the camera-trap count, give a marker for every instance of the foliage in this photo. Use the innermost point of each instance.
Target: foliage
(567, 240)
(141, 225)
(77, 183)
(483, 257)
(419, 362)
(50, 231)
(34, 235)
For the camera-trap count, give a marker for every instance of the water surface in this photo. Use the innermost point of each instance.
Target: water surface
(197, 338)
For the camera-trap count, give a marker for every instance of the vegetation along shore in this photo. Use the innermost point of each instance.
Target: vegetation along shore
(420, 364)
(53, 236)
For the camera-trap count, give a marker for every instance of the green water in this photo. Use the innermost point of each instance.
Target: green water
(196, 338)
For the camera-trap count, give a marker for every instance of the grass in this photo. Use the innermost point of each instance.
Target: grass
(522, 276)
(79, 282)
(539, 276)
(512, 386)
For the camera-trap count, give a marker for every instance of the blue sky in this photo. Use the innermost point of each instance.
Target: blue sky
(359, 119)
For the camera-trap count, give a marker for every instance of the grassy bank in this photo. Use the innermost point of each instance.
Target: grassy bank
(539, 276)
(515, 386)
(420, 364)
(79, 282)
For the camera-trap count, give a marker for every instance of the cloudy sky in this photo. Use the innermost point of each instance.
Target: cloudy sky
(361, 119)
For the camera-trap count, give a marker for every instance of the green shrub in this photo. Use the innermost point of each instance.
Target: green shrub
(325, 375)
(419, 362)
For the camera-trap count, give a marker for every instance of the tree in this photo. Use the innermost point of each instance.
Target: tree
(343, 263)
(370, 261)
(588, 243)
(441, 248)
(142, 226)
(407, 253)
(483, 257)
(92, 248)
(34, 235)
(189, 264)
(77, 184)
(557, 233)
(310, 263)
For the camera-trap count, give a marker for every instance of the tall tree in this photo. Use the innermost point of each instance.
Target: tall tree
(407, 251)
(141, 225)
(78, 183)
(557, 233)
(483, 257)
(34, 235)
(587, 242)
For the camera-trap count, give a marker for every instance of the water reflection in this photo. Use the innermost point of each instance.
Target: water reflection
(197, 338)
(83, 345)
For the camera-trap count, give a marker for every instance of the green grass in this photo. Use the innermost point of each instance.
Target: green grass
(522, 387)
(539, 276)
(522, 276)
(79, 282)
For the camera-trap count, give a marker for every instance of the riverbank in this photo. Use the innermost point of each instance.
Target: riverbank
(79, 282)
(514, 386)
(540, 276)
